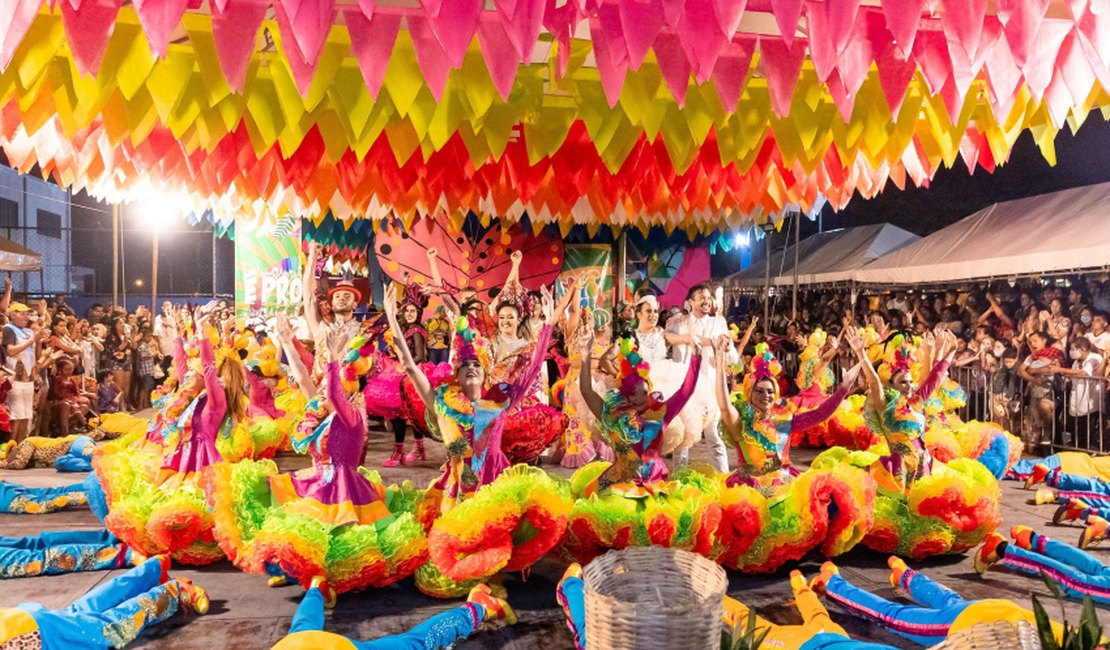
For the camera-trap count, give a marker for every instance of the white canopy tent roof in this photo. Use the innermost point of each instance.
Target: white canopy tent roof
(14, 257)
(827, 257)
(1062, 231)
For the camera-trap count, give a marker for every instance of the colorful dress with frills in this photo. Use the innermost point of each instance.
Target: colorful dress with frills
(333, 519)
(165, 512)
(581, 442)
(926, 507)
(532, 425)
(771, 513)
(633, 501)
(484, 516)
(948, 437)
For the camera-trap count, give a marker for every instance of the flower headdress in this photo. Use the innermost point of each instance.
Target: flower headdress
(357, 361)
(517, 296)
(814, 343)
(469, 345)
(763, 365)
(898, 356)
(632, 367)
(412, 295)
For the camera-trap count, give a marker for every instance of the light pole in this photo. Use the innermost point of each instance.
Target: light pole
(768, 227)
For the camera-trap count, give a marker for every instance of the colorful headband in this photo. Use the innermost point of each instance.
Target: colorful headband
(632, 367)
(412, 295)
(763, 366)
(469, 345)
(902, 360)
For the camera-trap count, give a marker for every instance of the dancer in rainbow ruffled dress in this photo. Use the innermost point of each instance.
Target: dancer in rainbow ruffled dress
(924, 507)
(331, 520)
(487, 516)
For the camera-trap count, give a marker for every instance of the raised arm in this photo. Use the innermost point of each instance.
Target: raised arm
(7, 299)
(298, 365)
(945, 350)
(512, 282)
(217, 401)
(827, 357)
(743, 342)
(566, 301)
(419, 379)
(586, 384)
(433, 265)
(308, 291)
(825, 410)
(730, 417)
(875, 395)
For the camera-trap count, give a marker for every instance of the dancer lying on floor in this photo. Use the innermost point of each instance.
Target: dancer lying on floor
(110, 616)
(20, 499)
(1077, 572)
(443, 630)
(63, 551)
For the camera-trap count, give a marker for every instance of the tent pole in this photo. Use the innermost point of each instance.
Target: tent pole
(154, 275)
(115, 255)
(797, 237)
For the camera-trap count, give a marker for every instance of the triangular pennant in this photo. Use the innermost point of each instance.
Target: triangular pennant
(305, 25)
(429, 55)
(729, 13)
(499, 53)
(159, 19)
(963, 20)
(930, 53)
(1004, 76)
(523, 21)
(1094, 35)
(88, 30)
(234, 31)
(612, 63)
(788, 14)
(673, 65)
(701, 37)
(22, 13)
(781, 66)
(372, 42)
(902, 19)
(731, 71)
(641, 21)
(1040, 64)
(1022, 19)
(895, 75)
(454, 23)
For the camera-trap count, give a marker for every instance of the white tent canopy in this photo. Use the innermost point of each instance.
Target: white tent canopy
(827, 257)
(1062, 231)
(14, 257)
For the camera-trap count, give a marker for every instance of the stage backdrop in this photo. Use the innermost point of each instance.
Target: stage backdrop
(267, 268)
(591, 265)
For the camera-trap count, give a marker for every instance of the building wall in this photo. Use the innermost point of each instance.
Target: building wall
(42, 224)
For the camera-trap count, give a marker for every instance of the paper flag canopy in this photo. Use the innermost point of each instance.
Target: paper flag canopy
(640, 125)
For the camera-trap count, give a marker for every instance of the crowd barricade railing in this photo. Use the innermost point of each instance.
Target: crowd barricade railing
(1082, 418)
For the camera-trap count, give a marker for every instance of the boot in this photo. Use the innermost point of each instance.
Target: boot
(417, 454)
(1094, 532)
(397, 457)
(992, 550)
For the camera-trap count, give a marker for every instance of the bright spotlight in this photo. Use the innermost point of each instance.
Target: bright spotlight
(157, 211)
(742, 239)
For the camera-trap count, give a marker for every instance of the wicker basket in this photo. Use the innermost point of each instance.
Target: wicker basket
(652, 597)
(993, 636)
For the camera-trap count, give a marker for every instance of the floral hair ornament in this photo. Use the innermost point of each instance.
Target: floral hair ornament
(469, 345)
(632, 367)
(357, 361)
(763, 366)
(814, 343)
(898, 355)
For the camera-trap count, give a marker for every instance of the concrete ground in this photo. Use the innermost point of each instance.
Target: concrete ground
(245, 614)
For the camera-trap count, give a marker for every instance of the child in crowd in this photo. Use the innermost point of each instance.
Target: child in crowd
(108, 395)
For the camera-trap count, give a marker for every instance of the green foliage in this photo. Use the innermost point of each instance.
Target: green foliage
(747, 638)
(1086, 636)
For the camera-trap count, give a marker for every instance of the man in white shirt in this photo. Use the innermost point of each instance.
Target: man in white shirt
(704, 328)
(1098, 335)
(165, 331)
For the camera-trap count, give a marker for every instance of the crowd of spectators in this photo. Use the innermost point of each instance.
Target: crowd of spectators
(59, 369)
(1032, 355)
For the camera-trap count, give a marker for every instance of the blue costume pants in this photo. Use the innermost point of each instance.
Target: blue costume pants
(113, 614)
(440, 631)
(1078, 573)
(926, 623)
(20, 499)
(1091, 491)
(56, 552)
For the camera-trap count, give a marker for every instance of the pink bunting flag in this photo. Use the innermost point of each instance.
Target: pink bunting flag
(1041, 62)
(522, 21)
(963, 19)
(454, 23)
(612, 63)
(781, 67)
(234, 31)
(372, 42)
(930, 53)
(701, 36)
(159, 18)
(1074, 69)
(673, 65)
(902, 19)
(1004, 77)
(1094, 36)
(498, 50)
(305, 24)
(731, 71)
(88, 29)
(641, 21)
(21, 13)
(1022, 19)
(430, 55)
(788, 13)
(673, 10)
(855, 60)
